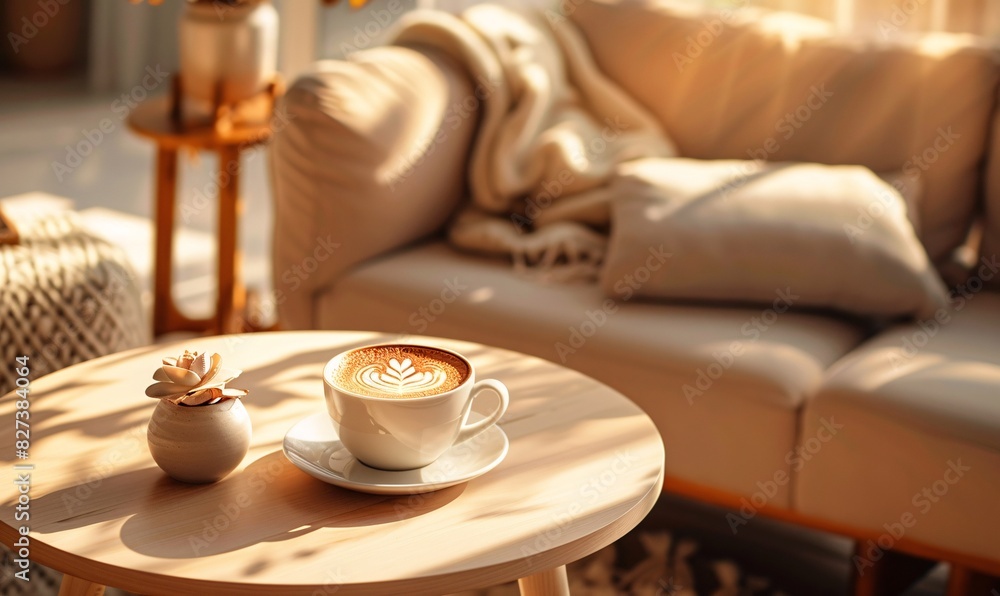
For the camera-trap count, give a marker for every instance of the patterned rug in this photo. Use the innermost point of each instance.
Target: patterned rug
(653, 564)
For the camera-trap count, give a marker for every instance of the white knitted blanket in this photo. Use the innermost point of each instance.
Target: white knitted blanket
(552, 131)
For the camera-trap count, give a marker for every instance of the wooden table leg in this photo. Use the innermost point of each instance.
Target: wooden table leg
(551, 582)
(892, 573)
(231, 295)
(963, 581)
(166, 193)
(74, 586)
(166, 316)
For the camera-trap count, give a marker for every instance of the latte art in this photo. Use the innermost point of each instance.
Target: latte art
(399, 371)
(401, 377)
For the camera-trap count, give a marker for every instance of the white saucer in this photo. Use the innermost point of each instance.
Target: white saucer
(314, 447)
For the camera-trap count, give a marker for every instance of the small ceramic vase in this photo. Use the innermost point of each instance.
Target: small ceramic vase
(199, 444)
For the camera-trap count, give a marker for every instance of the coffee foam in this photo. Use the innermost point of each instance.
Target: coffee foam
(399, 372)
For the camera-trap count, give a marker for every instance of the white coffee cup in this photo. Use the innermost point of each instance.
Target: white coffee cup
(403, 433)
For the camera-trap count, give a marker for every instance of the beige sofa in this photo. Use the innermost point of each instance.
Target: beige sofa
(890, 436)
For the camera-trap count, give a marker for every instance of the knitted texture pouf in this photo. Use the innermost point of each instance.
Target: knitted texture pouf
(65, 296)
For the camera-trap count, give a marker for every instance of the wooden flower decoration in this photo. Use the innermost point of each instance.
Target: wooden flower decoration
(354, 3)
(194, 379)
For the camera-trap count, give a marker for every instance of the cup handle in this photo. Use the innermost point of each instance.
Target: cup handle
(470, 430)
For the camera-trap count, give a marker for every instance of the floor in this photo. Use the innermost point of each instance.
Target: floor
(41, 125)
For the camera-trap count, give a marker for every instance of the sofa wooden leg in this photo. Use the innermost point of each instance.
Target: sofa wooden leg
(963, 581)
(892, 573)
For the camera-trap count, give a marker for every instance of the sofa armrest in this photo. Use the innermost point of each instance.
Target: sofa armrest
(368, 155)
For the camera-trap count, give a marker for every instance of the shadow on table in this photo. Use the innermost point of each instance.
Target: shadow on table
(558, 540)
(269, 501)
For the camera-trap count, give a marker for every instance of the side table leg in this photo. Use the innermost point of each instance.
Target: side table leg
(74, 586)
(166, 192)
(231, 296)
(551, 582)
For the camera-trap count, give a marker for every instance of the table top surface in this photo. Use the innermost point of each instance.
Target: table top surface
(151, 118)
(585, 466)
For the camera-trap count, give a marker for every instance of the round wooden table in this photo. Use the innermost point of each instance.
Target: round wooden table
(585, 466)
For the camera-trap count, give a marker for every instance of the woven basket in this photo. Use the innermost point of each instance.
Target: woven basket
(65, 296)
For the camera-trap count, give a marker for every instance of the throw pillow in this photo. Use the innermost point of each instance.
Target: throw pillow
(749, 231)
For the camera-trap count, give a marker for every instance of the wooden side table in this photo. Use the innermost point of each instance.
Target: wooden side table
(584, 466)
(157, 120)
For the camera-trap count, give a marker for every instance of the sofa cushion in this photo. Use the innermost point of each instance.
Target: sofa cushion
(739, 84)
(723, 384)
(358, 165)
(736, 230)
(914, 402)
